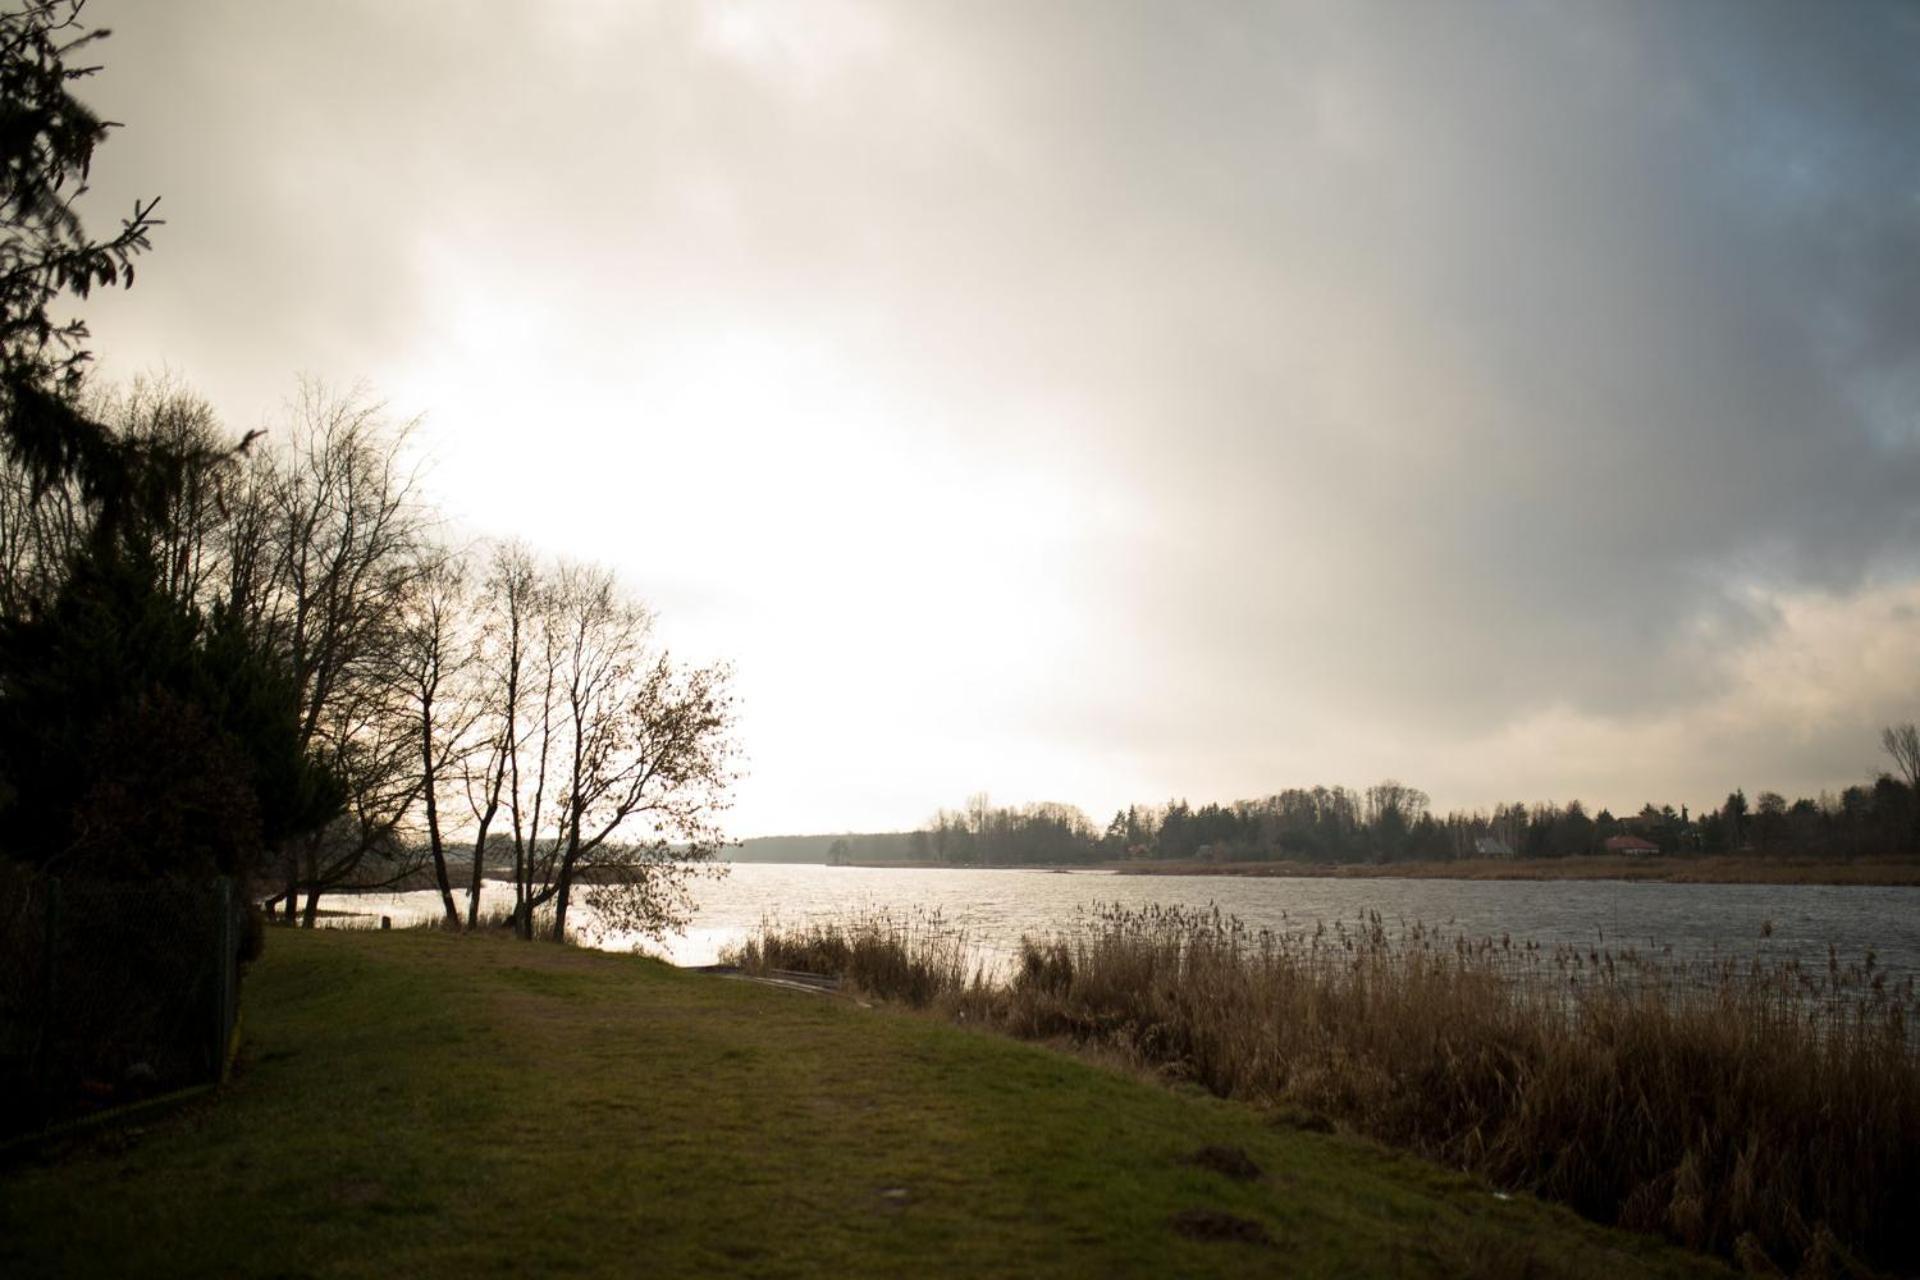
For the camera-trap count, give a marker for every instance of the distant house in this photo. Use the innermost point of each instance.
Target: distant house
(1491, 847)
(1630, 846)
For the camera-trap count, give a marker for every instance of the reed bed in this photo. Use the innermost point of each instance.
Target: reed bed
(1762, 1109)
(917, 959)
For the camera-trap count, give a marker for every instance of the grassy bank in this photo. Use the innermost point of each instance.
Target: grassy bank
(1715, 870)
(1763, 1111)
(425, 1104)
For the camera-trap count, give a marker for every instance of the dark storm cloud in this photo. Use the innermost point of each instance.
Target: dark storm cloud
(1634, 297)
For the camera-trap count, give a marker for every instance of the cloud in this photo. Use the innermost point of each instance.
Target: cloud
(1142, 399)
(1790, 716)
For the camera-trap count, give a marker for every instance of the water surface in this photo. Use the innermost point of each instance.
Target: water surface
(996, 907)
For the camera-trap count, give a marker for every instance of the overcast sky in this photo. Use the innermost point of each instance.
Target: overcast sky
(1104, 402)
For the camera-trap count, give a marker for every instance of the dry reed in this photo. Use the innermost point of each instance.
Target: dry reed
(916, 959)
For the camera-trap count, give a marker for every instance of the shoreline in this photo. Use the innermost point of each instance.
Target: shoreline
(1657, 870)
(1861, 872)
(1879, 872)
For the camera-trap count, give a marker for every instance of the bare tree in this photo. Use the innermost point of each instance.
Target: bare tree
(325, 539)
(662, 790)
(622, 768)
(186, 519)
(432, 662)
(40, 530)
(1902, 742)
(168, 429)
(511, 610)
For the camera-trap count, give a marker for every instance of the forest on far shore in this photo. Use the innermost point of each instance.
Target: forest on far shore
(1391, 822)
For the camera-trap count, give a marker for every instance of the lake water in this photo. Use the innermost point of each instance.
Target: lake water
(996, 907)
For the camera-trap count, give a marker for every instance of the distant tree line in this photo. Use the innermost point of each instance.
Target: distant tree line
(847, 848)
(984, 834)
(1393, 822)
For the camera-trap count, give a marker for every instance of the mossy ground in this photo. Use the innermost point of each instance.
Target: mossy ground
(423, 1104)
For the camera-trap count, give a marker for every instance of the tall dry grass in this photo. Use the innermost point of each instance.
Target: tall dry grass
(1760, 1109)
(917, 959)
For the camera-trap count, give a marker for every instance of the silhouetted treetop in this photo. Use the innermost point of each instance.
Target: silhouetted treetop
(47, 141)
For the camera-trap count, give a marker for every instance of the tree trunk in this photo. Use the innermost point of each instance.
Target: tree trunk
(438, 847)
(480, 848)
(479, 864)
(560, 897)
(429, 786)
(313, 909)
(522, 912)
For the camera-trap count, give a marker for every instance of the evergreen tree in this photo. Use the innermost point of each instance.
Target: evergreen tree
(139, 738)
(47, 141)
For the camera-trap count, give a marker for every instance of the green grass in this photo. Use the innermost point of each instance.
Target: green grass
(421, 1104)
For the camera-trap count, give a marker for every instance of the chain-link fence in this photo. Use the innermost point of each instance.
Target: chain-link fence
(111, 992)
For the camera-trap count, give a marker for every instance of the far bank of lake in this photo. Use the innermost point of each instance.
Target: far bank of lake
(1708, 870)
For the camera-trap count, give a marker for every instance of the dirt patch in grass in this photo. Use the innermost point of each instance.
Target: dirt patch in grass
(1299, 1118)
(1216, 1225)
(357, 1193)
(1231, 1162)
